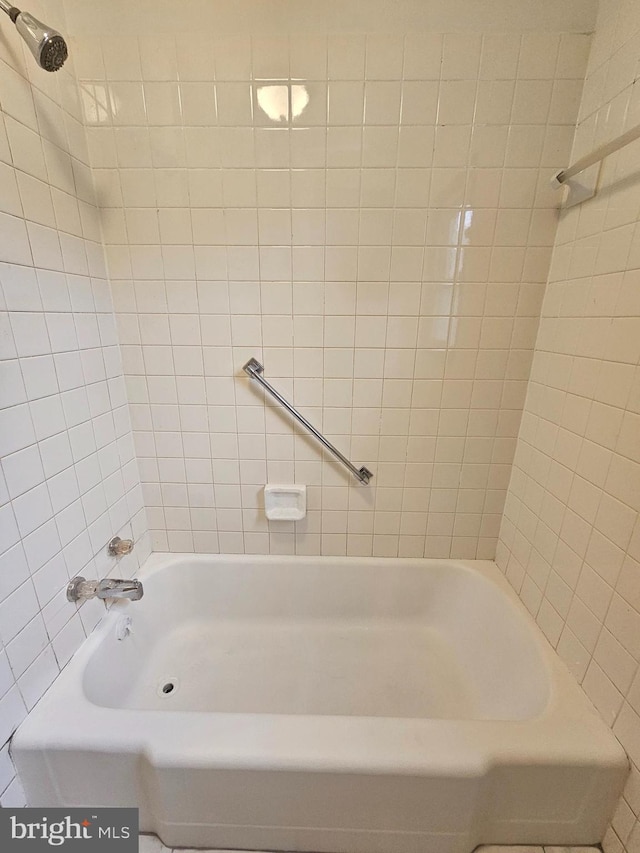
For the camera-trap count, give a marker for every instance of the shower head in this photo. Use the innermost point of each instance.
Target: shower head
(46, 44)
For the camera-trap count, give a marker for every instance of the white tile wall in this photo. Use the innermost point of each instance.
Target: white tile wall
(570, 539)
(68, 475)
(368, 214)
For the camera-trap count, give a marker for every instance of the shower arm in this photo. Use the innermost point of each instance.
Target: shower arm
(8, 8)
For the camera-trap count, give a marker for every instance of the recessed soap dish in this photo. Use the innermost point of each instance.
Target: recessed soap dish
(285, 503)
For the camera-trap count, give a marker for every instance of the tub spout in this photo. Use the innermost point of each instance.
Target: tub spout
(80, 589)
(114, 588)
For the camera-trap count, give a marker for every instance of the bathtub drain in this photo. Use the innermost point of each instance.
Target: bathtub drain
(167, 686)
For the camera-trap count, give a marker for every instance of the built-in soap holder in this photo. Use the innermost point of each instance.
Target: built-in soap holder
(285, 503)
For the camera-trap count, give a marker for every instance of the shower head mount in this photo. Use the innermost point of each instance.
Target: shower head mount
(46, 44)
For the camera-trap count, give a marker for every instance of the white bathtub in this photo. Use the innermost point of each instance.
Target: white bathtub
(323, 704)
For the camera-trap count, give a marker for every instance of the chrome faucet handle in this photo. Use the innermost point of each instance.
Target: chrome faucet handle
(80, 589)
(119, 547)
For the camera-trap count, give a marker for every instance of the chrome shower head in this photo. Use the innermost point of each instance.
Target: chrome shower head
(46, 44)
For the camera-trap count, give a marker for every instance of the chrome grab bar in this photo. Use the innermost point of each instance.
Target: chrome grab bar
(254, 369)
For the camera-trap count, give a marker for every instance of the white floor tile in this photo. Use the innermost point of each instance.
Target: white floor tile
(493, 848)
(571, 850)
(152, 844)
(501, 848)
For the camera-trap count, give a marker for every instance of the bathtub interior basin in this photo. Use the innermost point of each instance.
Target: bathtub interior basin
(325, 705)
(388, 639)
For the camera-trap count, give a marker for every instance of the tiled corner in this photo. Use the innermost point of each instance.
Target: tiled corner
(68, 474)
(570, 536)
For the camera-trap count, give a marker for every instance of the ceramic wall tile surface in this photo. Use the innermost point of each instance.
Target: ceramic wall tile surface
(570, 539)
(365, 212)
(68, 475)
